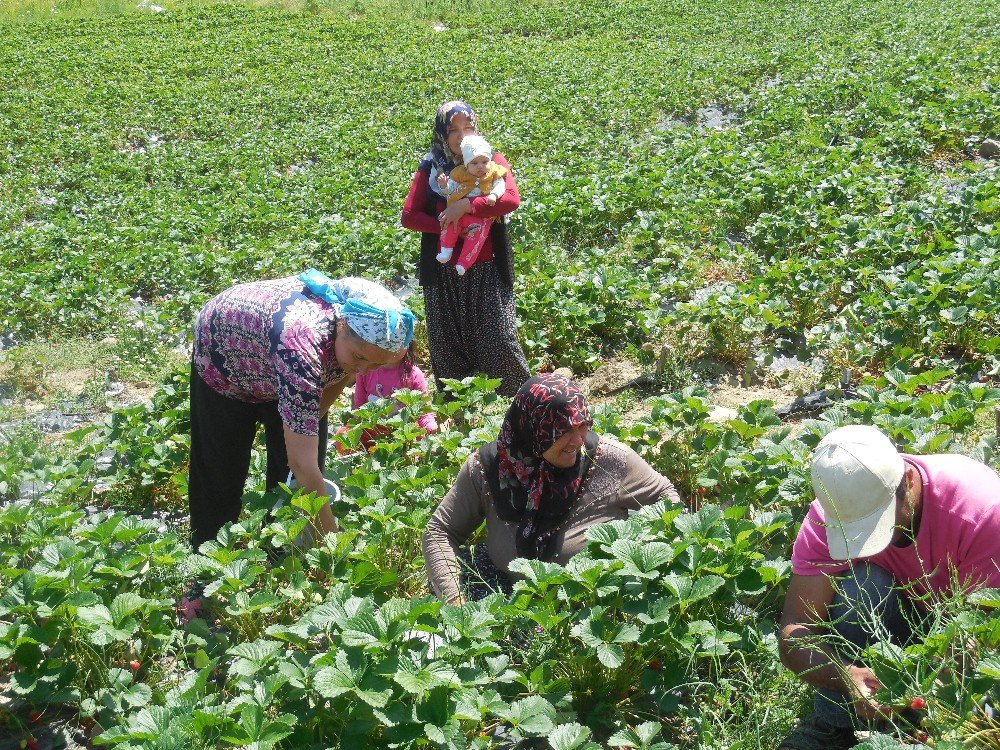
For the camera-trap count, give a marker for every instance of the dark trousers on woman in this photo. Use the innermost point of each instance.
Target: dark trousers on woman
(223, 430)
(472, 327)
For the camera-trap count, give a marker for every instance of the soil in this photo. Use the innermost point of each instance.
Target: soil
(732, 396)
(54, 731)
(606, 383)
(610, 378)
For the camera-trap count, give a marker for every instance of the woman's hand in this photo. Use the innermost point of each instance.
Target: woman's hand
(454, 212)
(302, 450)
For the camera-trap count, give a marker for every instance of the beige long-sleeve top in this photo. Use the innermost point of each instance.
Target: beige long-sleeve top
(619, 482)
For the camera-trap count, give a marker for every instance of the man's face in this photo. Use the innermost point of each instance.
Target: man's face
(905, 511)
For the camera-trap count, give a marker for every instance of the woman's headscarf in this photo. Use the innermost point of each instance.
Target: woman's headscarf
(440, 154)
(526, 489)
(371, 310)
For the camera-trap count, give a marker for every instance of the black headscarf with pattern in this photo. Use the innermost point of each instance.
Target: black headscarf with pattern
(440, 153)
(526, 489)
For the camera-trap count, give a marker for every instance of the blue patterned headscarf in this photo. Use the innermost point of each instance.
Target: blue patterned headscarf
(371, 310)
(440, 154)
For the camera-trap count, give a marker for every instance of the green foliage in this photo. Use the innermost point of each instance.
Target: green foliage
(147, 165)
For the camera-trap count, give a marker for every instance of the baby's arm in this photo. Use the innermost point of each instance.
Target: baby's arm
(438, 180)
(499, 188)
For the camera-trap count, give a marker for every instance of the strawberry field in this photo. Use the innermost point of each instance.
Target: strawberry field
(708, 190)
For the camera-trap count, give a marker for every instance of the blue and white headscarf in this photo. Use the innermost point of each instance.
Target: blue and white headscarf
(371, 310)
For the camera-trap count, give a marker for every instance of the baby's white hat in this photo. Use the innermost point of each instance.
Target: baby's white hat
(473, 146)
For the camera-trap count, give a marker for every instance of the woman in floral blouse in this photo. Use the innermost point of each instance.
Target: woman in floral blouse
(278, 353)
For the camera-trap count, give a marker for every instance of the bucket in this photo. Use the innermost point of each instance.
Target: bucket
(304, 541)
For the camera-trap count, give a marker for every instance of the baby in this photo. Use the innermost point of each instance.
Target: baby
(480, 175)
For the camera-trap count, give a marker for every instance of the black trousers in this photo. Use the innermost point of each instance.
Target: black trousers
(223, 430)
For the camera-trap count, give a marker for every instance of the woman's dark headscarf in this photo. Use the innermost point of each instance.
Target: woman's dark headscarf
(440, 154)
(526, 489)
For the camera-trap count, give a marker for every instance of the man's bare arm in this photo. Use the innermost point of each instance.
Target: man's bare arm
(806, 605)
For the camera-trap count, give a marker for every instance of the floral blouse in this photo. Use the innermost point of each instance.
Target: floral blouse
(269, 341)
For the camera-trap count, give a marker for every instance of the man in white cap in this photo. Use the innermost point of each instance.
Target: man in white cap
(885, 527)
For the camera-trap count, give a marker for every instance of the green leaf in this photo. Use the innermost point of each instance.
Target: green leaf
(693, 589)
(125, 604)
(333, 681)
(989, 666)
(419, 680)
(956, 315)
(988, 598)
(610, 655)
(533, 716)
(309, 502)
(571, 736)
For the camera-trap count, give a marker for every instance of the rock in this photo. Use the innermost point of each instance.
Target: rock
(54, 420)
(714, 117)
(611, 378)
(404, 286)
(105, 460)
(32, 490)
(815, 402)
(564, 372)
(722, 414)
(990, 148)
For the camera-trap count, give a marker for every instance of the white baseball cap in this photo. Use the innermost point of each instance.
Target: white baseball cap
(855, 473)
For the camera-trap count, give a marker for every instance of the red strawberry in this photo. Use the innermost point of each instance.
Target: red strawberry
(31, 744)
(918, 704)
(922, 736)
(134, 665)
(655, 665)
(35, 716)
(105, 505)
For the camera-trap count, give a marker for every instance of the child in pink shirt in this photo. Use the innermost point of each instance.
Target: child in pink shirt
(382, 383)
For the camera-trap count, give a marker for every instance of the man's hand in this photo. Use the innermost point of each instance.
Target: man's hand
(862, 684)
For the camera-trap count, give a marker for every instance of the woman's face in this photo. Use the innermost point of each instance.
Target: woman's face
(564, 451)
(356, 356)
(459, 127)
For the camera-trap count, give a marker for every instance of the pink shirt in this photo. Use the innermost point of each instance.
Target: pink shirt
(959, 530)
(384, 381)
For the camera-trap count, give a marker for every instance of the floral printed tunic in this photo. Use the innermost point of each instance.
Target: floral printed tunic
(270, 341)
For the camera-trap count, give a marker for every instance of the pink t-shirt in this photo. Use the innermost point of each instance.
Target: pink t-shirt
(959, 530)
(384, 381)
